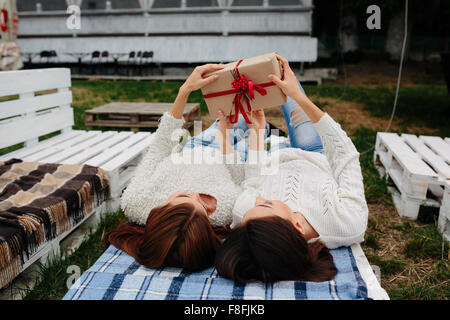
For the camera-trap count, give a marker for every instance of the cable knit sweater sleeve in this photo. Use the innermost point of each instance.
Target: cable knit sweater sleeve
(163, 142)
(345, 199)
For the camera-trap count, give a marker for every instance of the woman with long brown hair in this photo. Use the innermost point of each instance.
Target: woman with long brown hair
(286, 220)
(179, 210)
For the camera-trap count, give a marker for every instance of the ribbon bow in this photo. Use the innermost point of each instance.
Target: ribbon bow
(244, 89)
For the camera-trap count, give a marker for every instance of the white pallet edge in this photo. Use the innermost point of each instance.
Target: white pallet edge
(112, 152)
(428, 155)
(25, 128)
(26, 105)
(407, 158)
(24, 81)
(26, 151)
(85, 155)
(119, 179)
(46, 152)
(60, 156)
(130, 154)
(438, 145)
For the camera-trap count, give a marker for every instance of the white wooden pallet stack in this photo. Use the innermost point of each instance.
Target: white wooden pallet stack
(25, 116)
(420, 170)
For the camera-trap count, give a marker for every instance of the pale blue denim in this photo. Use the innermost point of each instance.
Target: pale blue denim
(302, 134)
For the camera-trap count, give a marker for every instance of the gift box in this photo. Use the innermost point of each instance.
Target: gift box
(243, 86)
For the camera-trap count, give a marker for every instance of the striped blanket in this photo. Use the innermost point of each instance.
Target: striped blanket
(38, 202)
(116, 275)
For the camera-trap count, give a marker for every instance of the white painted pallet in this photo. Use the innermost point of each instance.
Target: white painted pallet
(26, 115)
(420, 170)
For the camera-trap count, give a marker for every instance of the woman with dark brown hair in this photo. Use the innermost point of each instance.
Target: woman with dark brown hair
(286, 219)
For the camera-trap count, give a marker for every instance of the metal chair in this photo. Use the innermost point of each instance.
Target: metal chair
(95, 59)
(131, 59)
(104, 61)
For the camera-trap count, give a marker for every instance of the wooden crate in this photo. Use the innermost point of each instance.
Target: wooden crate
(135, 115)
(420, 170)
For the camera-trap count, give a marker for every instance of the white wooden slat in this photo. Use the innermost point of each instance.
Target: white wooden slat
(438, 145)
(47, 152)
(26, 128)
(110, 153)
(21, 106)
(428, 155)
(447, 140)
(60, 156)
(83, 156)
(130, 153)
(43, 144)
(406, 156)
(23, 81)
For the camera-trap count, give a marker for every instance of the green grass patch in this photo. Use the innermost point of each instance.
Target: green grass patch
(387, 266)
(422, 105)
(426, 242)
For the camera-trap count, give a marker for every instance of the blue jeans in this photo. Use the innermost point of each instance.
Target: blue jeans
(301, 131)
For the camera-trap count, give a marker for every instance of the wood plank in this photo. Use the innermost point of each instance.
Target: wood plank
(428, 155)
(26, 105)
(143, 108)
(407, 157)
(110, 153)
(47, 152)
(438, 145)
(13, 132)
(60, 156)
(85, 155)
(122, 124)
(24, 81)
(41, 145)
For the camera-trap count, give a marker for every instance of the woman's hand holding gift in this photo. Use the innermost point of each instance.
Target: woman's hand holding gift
(195, 81)
(289, 85)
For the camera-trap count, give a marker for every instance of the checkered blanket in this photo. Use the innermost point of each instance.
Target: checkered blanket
(116, 275)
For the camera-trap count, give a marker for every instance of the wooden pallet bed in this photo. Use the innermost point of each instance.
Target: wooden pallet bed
(37, 102)
(419, 167)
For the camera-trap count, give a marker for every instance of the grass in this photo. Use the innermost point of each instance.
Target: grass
(411, 254)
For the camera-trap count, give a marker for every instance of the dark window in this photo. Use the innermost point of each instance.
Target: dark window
(166, 4)
(284, 2)
(201, 3)
(93, 5)
(125, 4)
(247, 3)
(46, 5)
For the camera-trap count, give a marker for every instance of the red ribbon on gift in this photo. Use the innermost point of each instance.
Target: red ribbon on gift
(243, 88)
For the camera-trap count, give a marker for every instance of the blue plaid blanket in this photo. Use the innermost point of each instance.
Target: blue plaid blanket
(116, 275)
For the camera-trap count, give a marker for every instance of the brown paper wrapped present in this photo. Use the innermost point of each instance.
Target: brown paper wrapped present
(244, 85)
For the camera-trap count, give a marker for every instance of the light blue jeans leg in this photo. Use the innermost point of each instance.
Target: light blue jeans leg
(301, 131)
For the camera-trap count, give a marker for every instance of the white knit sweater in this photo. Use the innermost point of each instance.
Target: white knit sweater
(327, 189)
(162, 172)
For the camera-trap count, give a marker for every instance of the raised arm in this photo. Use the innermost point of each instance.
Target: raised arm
(163, 141)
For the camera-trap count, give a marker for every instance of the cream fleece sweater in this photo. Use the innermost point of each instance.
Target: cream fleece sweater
(164, 170)
(327, 189)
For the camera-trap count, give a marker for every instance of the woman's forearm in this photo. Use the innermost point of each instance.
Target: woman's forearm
(311, 110)
(177, 109)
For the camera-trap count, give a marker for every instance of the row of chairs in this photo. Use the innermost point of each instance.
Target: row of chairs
(137, 63)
